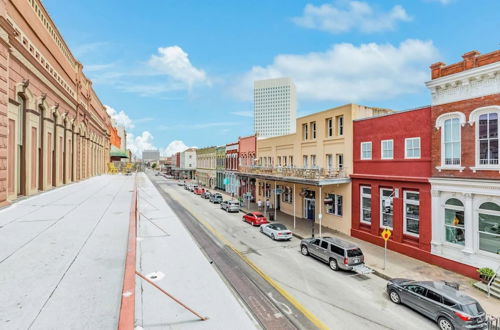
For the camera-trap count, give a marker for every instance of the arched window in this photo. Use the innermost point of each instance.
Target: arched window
(454, 221)
(489, 227)
(450, 125)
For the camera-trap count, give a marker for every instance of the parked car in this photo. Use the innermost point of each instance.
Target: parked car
(216, 198)
(206, 195)
(447, 306)
(255, 218)
(276, 231)
(180, 183)
(339, 254)
(230, 206)
(199, 190)
(192, 188)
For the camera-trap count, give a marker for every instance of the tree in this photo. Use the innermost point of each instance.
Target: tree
(153, 166)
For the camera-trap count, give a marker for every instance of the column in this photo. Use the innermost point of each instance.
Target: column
(437, 222)
(469, 228)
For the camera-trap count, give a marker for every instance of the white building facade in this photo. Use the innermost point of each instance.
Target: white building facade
(275, 107)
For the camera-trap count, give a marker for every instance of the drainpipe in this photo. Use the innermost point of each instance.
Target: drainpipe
(293, 196)
(320, 216)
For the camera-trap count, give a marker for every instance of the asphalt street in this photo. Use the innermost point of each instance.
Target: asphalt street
(341, 299)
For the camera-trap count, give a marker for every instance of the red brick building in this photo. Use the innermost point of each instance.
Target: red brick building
(390, 188)
(247, 156)
(465, 162)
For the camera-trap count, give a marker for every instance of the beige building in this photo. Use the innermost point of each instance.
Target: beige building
(306, 174)
(206, 167)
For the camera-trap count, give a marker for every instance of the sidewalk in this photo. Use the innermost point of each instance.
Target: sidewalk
(398, 265)
(168, 255)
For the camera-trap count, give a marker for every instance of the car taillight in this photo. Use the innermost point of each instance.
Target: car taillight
(462, 316)
(279, 234)
(346, 261)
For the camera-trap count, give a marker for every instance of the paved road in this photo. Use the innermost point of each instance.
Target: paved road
(340, 300)
(58, 269)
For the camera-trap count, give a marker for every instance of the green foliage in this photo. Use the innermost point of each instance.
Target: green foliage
(486, 272)
(154, 165)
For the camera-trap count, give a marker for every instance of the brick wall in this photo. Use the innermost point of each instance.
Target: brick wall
(468, 146)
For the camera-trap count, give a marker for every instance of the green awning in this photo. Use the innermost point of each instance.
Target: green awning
(115, 152)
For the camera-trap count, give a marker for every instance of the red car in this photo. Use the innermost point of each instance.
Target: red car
(255, 218)
(199, 191)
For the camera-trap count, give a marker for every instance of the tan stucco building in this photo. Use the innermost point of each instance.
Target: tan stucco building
(53, 127)
(311, 168)
(206, 167)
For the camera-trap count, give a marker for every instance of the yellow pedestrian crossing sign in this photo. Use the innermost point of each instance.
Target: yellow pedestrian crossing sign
(386, 233)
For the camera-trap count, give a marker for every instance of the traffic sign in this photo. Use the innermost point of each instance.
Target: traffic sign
(386, 234)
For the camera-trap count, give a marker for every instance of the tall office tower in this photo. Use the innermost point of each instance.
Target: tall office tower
(275, 107)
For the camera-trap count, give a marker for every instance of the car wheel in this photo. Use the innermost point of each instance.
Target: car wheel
(394, 296)
(445, 324)
(261, 230)
(333, 264)
(273, 237)
(304, 250)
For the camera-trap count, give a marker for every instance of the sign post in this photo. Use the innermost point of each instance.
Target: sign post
(386, 234)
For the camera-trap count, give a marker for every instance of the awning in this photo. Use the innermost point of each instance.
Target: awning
(115, 152)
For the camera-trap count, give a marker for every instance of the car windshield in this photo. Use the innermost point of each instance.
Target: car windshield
(354, 253)
(259, 216)
(473, 309)
(279, 226)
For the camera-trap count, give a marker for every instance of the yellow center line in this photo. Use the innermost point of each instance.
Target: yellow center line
(317, 322)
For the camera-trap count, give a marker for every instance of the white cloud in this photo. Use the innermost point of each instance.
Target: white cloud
(174, 147)
(174, 62)
(120, 117)
(139, 143)
(355, 15)
(243, 113)
(350, 73)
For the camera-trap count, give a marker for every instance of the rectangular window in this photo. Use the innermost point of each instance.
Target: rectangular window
(329, 127)
(340, 161)
(279, 161)
(386, 207)
(304, 161)
(366, 204)
(329, 161)
(287, 194)
(412, 213)
(412, 148)
(313, 129)
(387, 149)
(291, 161)
(304, 132)
(340, 125)
(313, 161)
(366, 150)
(488, 139)
(333, 204)
(451, 141)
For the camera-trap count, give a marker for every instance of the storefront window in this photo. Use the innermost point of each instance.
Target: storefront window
(454, 221)
(333, 204)
(287, 195)
(489, 227)
(366, 204)
(412, 212)
(386, 208)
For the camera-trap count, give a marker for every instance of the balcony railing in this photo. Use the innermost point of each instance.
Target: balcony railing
(297, 172)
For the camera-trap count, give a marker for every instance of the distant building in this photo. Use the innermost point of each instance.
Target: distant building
(275, 107)
(150, 156)
(122, 133)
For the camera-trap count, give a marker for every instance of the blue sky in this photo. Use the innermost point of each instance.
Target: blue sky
(179, 73)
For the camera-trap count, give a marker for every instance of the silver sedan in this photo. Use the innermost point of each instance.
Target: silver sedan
(276, 231)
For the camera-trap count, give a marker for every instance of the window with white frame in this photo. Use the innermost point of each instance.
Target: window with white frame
(454, 221)
(329, 127)
(489, 227)
(387, 147)
(366, 150)
(313, 129)
(412, 147)
(304, 161)
(287, 194)
(487, 139)
(340, 161)
(366, 204)
(411, 213)
(279, 161)
(304, 132)
(333, 204)
(340, 125)
(451, 141)
(313, 161)
(386, 208)
(329, 161)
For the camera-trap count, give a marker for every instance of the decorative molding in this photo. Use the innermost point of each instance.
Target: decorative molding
(450, 115)
(475, 114)
(469, 84)
(450, 168)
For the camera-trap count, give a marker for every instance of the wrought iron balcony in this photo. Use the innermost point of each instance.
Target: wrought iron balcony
(296, 172)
